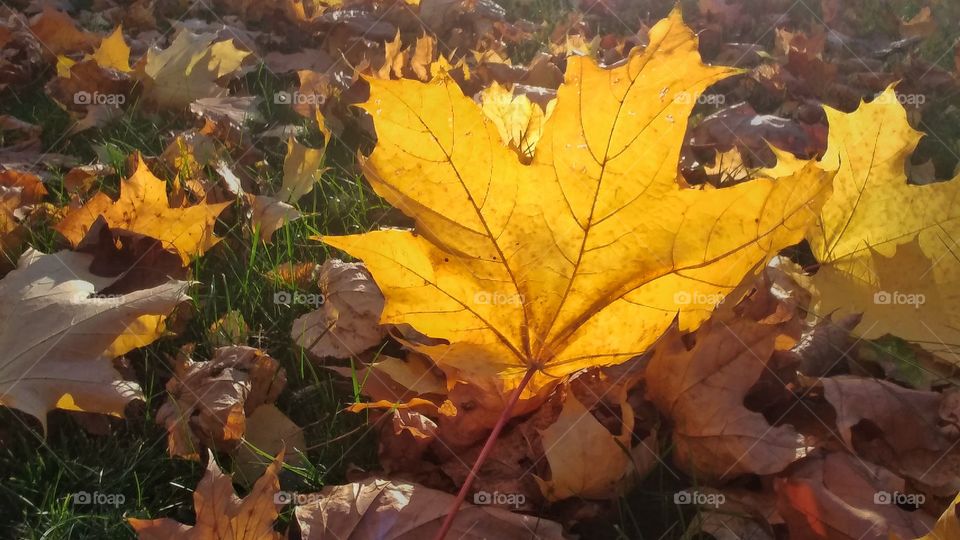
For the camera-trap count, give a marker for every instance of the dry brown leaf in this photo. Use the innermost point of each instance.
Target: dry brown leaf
(209, 401)
(702, 391)
(837, 497)
(268, 215)
(380, 509)
(59, 34)
(56, 328)
(268, 431)
(733, 515)
(348, 321)
(910, 440)
(221, 515)
(586, 460)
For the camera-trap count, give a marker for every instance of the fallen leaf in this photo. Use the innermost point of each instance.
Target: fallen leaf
(143, 207)
(59, 34)
(55, 329)
(209, 401)
(230, 329)
(268, 215)
(574, 260)
(348, 321)
(301, 169)
(837, 497)
(395, 510)
(909, 440)
(585, 459)
(920, 25)
(702, 391)
(886, 248)
(268, 431)
(519, 121)
(948, 526)
(221, 515)
(188, 69)
(113, 52)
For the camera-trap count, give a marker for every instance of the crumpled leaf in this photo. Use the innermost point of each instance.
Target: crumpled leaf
(268, 431)
(911, 441)
(268, 215)
(209, 401)
(56, 328)
(221, 515)
(574, 260)
(144, 208)
(394, 510)
(301, 169)
(348, 321)
(18, 190)
(887, 248)
(702, 390)
(834, 496)
(519, 121)
(188, 69)
(585, 459)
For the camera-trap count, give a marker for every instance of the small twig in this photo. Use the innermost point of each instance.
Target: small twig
(484, 453)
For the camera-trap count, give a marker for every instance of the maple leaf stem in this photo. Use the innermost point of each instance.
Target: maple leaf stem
(484, 453)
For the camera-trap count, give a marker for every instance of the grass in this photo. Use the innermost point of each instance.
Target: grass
(40, 475)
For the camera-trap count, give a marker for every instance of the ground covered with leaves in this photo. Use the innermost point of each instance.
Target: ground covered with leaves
(400, 269)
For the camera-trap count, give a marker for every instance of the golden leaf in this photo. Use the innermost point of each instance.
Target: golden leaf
(187, 70)
(886, 248)
(583, 257)
(144, 208)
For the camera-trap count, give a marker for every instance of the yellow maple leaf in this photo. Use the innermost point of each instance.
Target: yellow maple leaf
(519, 120)
(583, 257)
(113, 52)
(144, 208)
(187, 70)
(887, 248)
